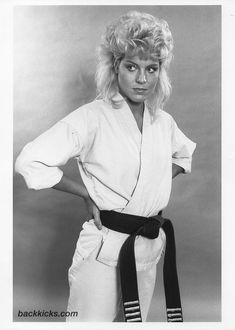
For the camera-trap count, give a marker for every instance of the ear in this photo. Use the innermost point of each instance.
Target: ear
(116, 65)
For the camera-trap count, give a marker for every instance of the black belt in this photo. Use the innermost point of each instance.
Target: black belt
(147, 227)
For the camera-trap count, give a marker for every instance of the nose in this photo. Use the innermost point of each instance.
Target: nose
(141, 77)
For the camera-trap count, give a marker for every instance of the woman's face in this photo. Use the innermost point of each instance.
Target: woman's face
(137, 77)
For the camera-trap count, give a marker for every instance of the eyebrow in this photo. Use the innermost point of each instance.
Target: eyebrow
(152, 64)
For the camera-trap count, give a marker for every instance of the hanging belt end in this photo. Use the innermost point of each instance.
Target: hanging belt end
(174, 314)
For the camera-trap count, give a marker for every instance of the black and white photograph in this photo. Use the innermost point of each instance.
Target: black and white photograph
(117, 160)
(111, 104)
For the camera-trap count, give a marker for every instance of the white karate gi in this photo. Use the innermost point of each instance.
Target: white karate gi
(123, 170)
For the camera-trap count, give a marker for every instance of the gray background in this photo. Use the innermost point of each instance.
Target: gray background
(54, 65)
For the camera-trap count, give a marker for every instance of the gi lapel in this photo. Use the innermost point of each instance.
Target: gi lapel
(154, 158)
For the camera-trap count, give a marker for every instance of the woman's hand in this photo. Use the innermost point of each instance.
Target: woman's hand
(93, 212)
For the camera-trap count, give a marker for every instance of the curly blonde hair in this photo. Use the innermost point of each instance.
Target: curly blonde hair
(131, 34)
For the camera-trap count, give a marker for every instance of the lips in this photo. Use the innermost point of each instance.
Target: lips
(140, 90)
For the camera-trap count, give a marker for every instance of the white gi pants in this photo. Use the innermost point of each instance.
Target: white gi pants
(95, 290)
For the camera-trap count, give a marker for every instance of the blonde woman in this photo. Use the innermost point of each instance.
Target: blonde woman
(128, 149)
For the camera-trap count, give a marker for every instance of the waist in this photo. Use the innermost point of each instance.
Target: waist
(132, 224)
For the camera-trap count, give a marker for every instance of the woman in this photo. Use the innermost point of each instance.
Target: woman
(128, 150)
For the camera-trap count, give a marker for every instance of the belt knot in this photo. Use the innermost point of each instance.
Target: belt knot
(150, 228)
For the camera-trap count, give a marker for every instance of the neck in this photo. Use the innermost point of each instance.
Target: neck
(136, 108)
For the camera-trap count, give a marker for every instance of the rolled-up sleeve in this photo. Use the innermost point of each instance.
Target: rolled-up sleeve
(182, 148)
(40, 159)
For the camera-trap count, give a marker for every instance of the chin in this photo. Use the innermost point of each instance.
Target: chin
(137, 98)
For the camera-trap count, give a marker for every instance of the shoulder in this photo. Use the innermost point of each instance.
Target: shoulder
(85, 114)
(164, 117)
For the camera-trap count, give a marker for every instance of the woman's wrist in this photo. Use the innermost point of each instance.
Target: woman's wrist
(85, 195)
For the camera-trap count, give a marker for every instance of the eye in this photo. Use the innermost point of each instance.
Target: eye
(152, 69)
(131, 67)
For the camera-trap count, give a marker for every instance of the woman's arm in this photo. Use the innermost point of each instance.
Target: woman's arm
(73, 187)
(40, 159)
(176, 169)
(182, 150)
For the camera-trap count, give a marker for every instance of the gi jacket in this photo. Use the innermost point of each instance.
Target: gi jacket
(122, 169)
